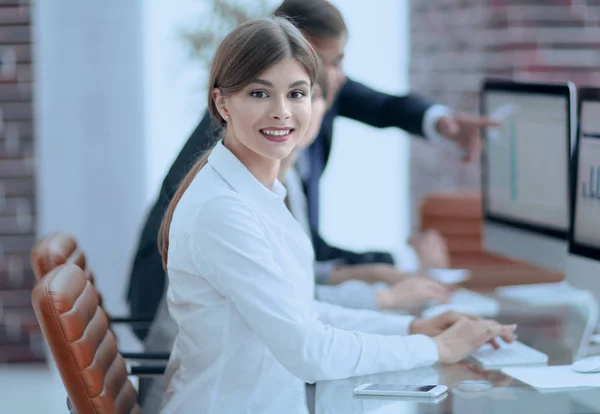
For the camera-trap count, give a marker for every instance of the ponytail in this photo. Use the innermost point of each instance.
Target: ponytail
(165, 225)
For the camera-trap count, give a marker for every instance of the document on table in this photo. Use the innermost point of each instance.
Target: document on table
(558, 376)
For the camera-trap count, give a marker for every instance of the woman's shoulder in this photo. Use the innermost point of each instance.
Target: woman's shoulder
(212, 208)
(209, 188)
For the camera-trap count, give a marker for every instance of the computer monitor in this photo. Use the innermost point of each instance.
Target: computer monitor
(525, 163)
(583, 266)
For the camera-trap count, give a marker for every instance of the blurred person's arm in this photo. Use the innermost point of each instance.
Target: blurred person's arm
(413, 291)
(412, 113)
(369, 273)
(341, 257)
(405, 295)
(415, 115)
(353, 294)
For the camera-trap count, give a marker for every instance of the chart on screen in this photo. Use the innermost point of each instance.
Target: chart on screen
(587, 224)
(526, 156)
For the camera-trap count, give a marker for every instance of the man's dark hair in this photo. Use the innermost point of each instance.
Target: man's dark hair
(317, 19)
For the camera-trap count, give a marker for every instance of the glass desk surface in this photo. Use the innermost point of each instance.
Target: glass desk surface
(554, 330)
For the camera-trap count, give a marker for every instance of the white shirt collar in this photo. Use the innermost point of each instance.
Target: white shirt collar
(240, 178)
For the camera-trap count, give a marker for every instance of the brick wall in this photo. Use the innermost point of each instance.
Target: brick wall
(456, 43)
(19, 335)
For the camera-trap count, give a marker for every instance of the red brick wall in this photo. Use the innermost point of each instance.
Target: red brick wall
(19, 334)
(456, 43)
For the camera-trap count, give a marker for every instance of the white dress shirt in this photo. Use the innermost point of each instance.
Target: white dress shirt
(430, 119)
(241, 292)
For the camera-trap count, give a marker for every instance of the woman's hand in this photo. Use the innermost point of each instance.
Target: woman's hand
(467, 336)
(458, 335)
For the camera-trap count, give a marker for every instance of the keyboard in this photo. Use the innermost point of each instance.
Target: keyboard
(514, 354)
(465, 301)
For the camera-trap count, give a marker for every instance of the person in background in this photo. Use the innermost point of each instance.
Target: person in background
(406, 291)
(324, 26)
(250, 333)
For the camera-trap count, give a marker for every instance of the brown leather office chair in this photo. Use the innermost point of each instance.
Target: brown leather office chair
(60, 248)
(85, 351)
(458, 217)
(54, 250)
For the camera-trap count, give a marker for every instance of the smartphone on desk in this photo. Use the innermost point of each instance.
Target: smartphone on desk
(419, 391)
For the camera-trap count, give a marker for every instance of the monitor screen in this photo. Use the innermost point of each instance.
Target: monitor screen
(586, 223)
(526, 160)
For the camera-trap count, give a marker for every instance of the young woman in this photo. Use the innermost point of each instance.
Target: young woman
(322, 23)
(411, 291)
(241, 289)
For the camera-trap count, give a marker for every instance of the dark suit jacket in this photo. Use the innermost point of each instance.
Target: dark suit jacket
(355, 101)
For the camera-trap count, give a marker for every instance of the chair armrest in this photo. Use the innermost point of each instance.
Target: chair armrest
(142, 319)
(146, 356)
(147, 370)
(70, 407)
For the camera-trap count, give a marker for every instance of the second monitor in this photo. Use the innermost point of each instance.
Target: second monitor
(525, 171)
(584, 260)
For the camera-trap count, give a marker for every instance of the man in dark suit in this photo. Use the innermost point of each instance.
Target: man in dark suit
(324, 26)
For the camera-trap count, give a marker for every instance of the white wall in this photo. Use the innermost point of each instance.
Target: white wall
(174, 85)
(364, 192)
(89, 130)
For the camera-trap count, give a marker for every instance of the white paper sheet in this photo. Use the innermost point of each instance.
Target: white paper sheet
(450, 276)
(558, 376)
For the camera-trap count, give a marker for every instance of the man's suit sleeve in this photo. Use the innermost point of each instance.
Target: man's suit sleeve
(324, 252)
(147, 278)
(378, 109)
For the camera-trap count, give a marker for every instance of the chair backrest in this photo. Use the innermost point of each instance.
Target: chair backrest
(56, 249)
(84, 349)
(458, 216)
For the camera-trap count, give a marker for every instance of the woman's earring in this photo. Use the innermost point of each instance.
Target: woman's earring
(226, 117)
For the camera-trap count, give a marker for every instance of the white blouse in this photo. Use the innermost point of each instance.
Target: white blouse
(241, 291)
